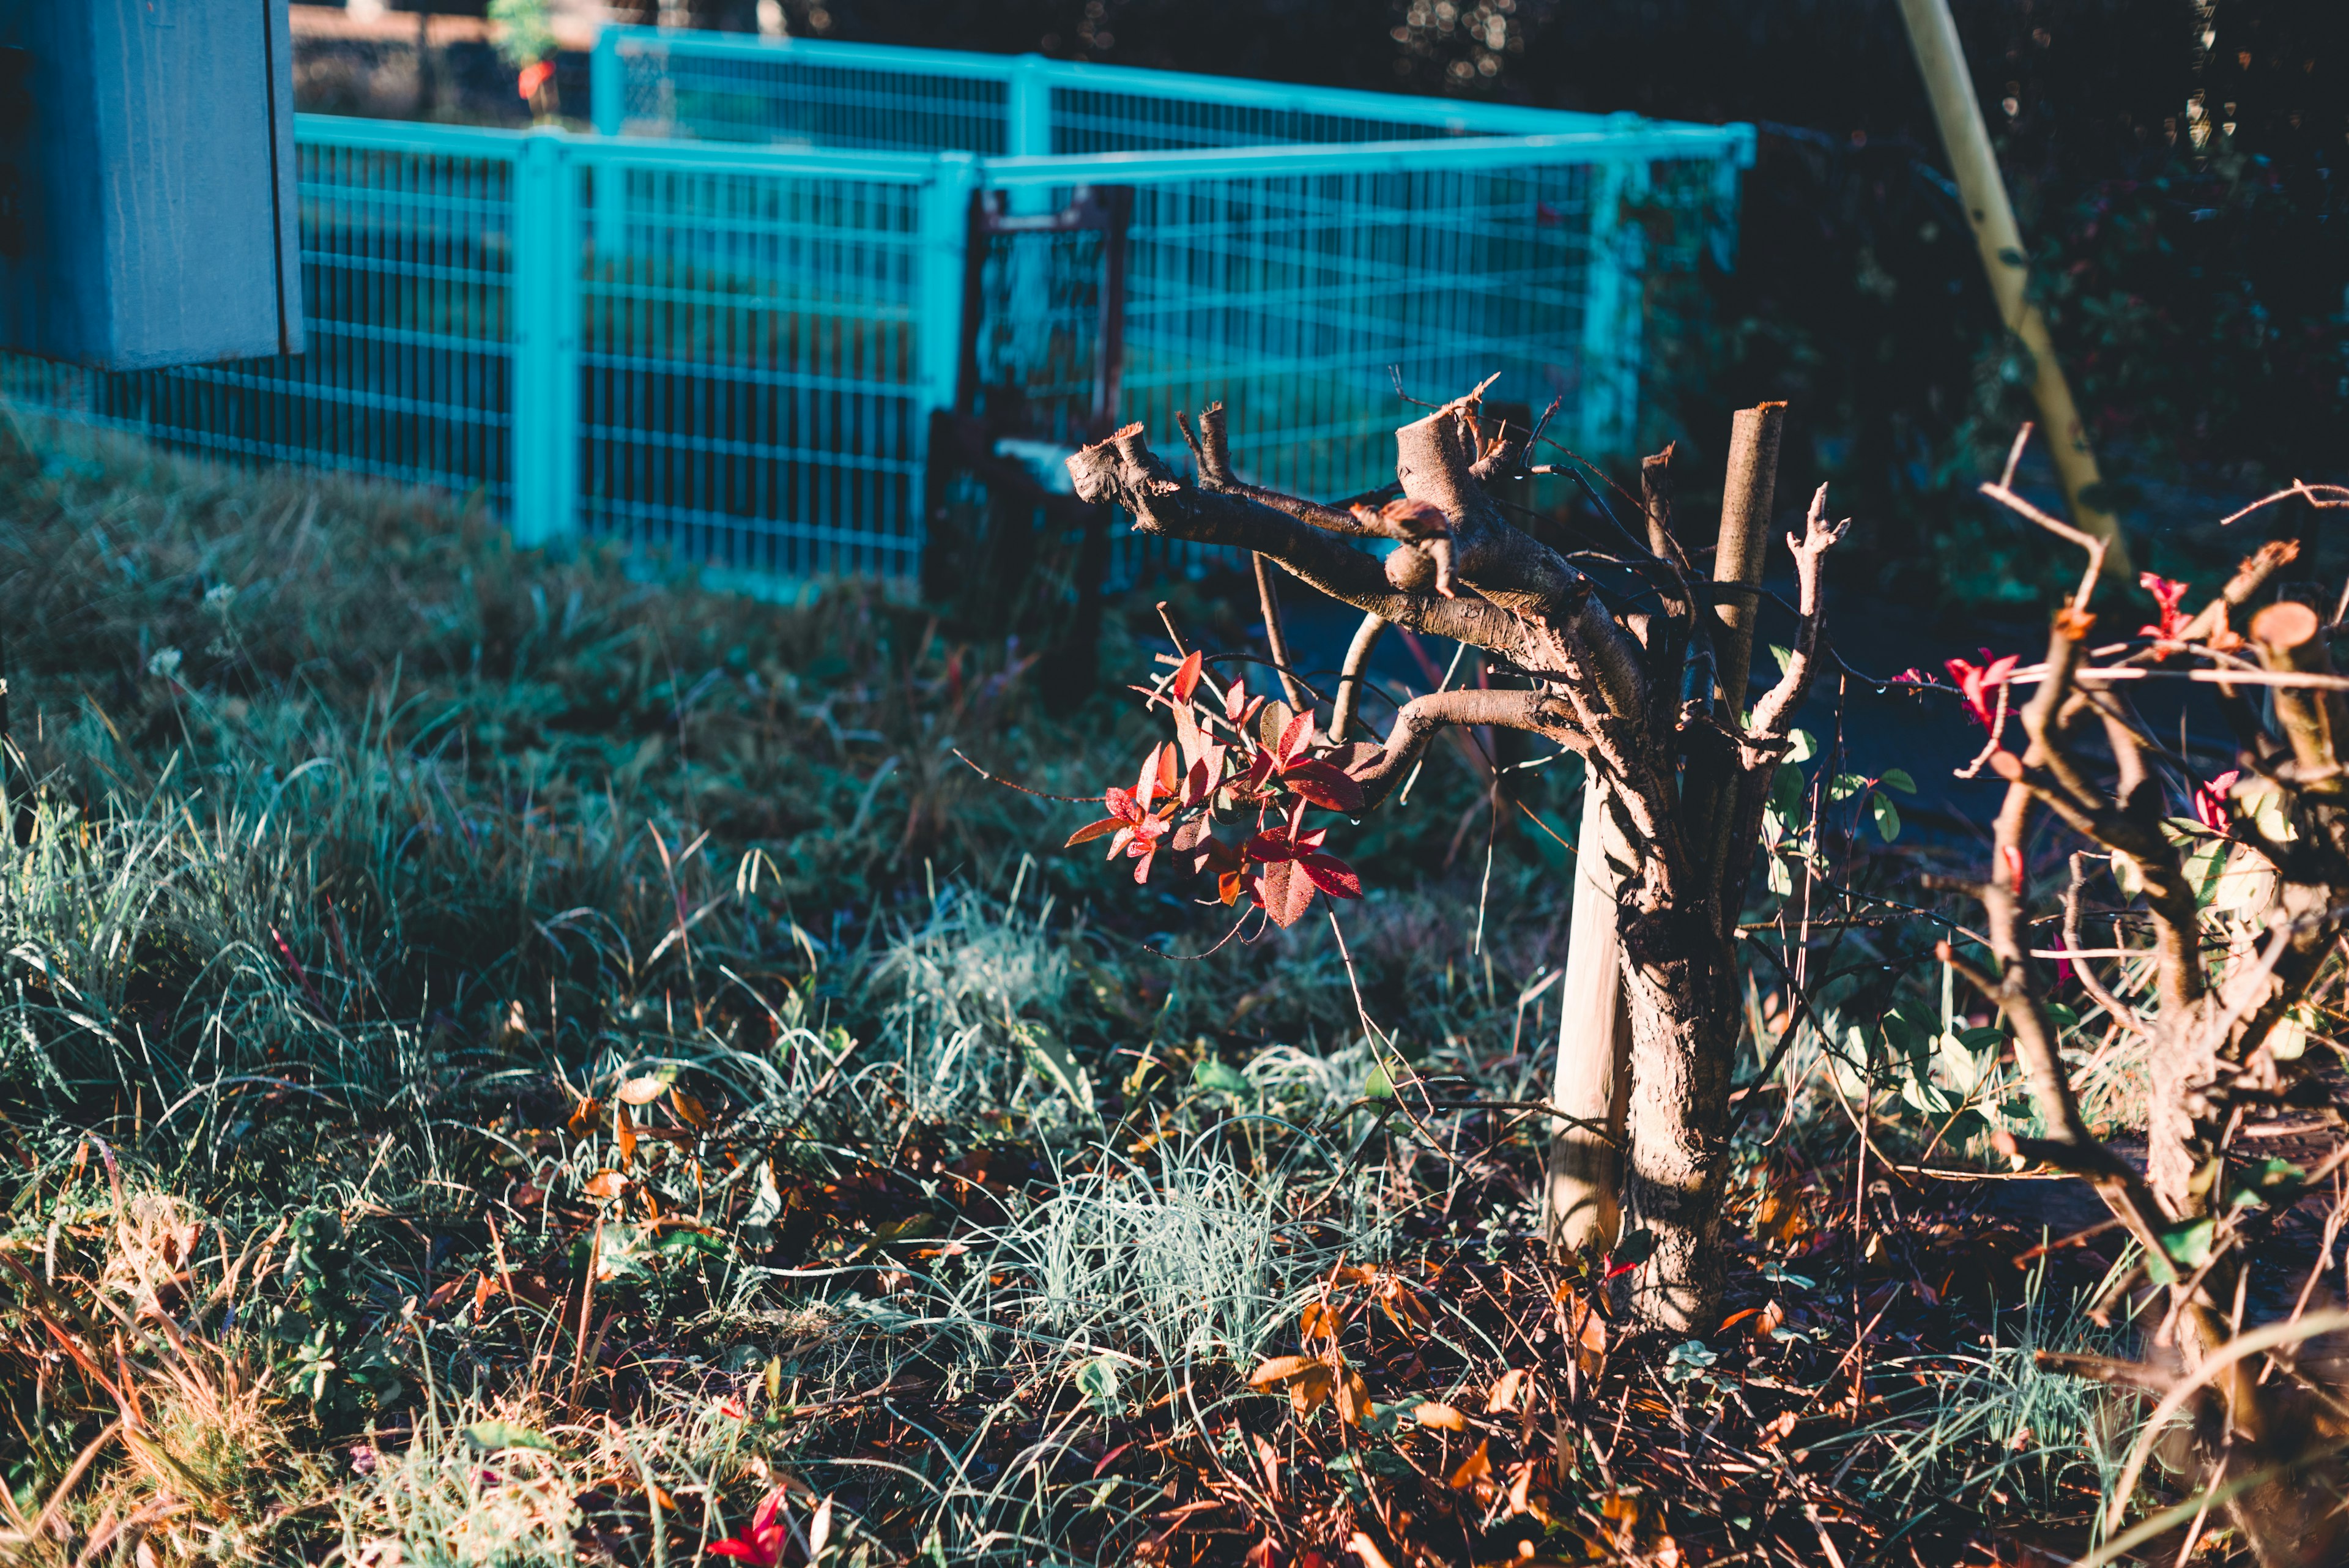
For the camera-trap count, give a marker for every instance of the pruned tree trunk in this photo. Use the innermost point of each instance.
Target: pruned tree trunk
(1678, 778)
(1685, 1021)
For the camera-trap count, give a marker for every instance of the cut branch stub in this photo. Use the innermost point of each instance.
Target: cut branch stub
(2290, 637)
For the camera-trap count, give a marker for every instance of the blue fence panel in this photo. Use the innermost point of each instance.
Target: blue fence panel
(728, 348)
(753, 386)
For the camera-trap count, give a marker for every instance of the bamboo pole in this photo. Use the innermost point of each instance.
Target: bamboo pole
(1934, 37)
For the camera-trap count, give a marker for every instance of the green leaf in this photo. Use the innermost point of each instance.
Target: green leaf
(1097, 1380)
(2269, 1180)
(2188, 1243)
(1217, 1076)
(1888, 820)
(2063, 1017)
(689, 1244)
(1686, 1362)
(1056, 1066)
(1845, 785)
(1782, 877)
(1784, 656)
(492, 1437)
(1898, 778)
(1378, 1085)
(1786, 791)
(1801, 746)
(1636, 1248)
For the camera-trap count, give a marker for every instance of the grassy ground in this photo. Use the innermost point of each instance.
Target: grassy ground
(505, 1063)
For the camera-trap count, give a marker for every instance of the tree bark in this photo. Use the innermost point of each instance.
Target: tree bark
(1684, 1026)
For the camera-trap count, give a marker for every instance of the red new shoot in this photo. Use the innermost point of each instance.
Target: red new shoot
(1228, 763)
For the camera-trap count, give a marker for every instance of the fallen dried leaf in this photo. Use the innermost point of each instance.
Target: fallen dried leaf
(1437, 1413)
(1509, 1392)
(643, 1091)
(1476, 1467)
(1353, 1396)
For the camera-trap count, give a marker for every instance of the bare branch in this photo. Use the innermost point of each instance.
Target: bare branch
(1268, 601)
(2248, 579)
(1122, 470)
(2121, 1012)
(1772, 713)
(1537, 712)
(2062, 530)
(1350, 677)
(1212, 451)
(2321, 496)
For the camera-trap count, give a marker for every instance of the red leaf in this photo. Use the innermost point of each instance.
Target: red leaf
(1188, 733)
(1294, 739)
(1285, 891)
(1169, 769)
(1141, 865)
(1322, 785)
(1272, 846)
(1092, 830)
(1331, 875)
(1231, 884)
(1186, 678)
(1146, 785)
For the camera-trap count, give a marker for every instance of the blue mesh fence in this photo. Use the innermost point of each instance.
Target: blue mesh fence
(719, 327)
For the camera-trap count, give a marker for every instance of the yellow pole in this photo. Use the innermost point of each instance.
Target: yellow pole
(1934, 37)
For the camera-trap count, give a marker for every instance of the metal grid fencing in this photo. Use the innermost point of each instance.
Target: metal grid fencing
(730, 345)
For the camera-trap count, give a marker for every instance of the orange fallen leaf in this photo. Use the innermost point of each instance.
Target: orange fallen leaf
(585, 1118)
(624, 1132)
(1509, 1391)
(1308, 1381)
(1353, 1396)
(604, 1186)
(1319, 1319)
(643, 1091)
(1437, 1413)
(1476, 1467)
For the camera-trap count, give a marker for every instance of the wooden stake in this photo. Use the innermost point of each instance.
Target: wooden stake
(1934, 38)
(1584, 1205)
(1746, 494)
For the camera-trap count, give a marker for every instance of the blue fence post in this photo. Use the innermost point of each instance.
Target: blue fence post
(1028, 108)
(545, 285)
(607, 83)
(946, 235)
